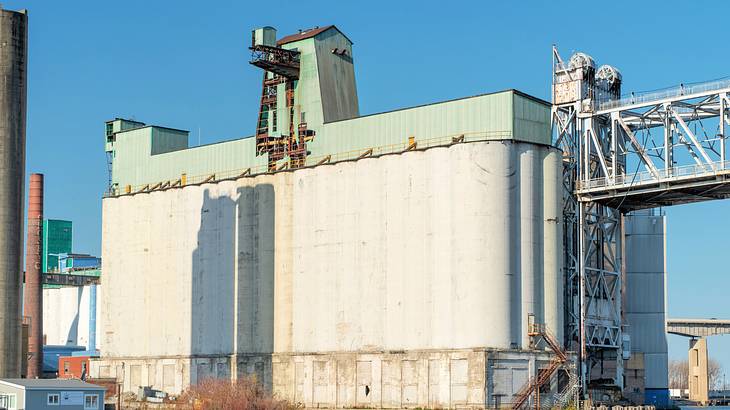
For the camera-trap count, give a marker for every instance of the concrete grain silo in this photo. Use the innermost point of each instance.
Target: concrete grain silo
(391, 260)
(13, 63)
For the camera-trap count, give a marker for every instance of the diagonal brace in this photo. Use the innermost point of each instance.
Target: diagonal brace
(692, 137)
(642, 152)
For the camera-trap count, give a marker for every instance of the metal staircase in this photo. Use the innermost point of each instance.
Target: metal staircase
(537, 332)
(561, 398)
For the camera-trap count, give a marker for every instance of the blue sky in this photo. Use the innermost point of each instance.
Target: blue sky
(184, 64)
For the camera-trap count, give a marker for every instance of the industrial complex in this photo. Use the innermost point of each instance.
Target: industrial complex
(490, 251)
(401, 259)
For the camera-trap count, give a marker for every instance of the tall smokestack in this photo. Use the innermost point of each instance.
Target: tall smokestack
(33, 294)
(13, 52)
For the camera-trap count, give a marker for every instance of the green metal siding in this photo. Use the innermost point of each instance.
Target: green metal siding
(135, 165)
(489, 114)
(167, 140)
(57, 238)
(336, 76)
(502, 115)
(307, 91)
(531, 120)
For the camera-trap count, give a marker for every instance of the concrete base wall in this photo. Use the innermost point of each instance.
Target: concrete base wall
(473, 378)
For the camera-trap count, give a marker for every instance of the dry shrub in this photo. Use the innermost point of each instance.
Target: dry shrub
(242, 394)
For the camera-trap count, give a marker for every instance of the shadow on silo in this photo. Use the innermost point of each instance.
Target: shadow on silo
(72, 338)
(234, 315)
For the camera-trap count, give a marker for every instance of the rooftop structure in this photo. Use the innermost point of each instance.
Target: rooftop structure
(309, 115)
(152, 157)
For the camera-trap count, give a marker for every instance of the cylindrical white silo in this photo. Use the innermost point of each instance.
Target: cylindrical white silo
(553, 242)
(496, 182)
(531, 236)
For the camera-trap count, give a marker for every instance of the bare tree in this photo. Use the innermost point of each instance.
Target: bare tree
(714, 374)
(679, 374)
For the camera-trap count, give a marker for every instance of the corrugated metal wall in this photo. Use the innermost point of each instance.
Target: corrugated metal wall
(504, 115)
(645, 302)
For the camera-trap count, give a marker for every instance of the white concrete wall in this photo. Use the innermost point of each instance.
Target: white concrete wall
(450, 247)
(66, 316)
(389, 251)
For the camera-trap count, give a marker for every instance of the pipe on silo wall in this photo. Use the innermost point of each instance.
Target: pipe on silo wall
(553, 242)
(13, 52)
(33, 293)
(92, 319)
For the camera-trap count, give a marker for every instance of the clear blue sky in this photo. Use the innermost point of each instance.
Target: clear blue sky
(184, 64)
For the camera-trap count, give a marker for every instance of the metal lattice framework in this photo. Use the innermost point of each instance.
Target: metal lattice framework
(592, 234)
(673, 142)
(621, 154)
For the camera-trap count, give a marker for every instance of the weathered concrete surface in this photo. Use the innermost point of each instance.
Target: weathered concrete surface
(473, 378)
(699, 390)
(443, 249)
(13, 64)
(465, 378)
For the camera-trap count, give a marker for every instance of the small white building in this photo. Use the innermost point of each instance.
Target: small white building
(37, 394)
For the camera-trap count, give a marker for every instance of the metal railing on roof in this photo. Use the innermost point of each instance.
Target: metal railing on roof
(671, 92)
(408, 145)
(646, 177)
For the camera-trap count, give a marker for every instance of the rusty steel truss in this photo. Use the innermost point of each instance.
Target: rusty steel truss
(281, 70)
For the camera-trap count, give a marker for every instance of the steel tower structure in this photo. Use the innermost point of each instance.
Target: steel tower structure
(621, 154)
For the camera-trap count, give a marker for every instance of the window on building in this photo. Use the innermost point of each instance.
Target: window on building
(274, 122)
(8, 401)
(53, 399)
(66, 366)
(91, 402)
(303, 117)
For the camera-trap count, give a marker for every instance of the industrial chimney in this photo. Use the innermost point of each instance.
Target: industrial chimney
(33, 293)
(13, 52)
